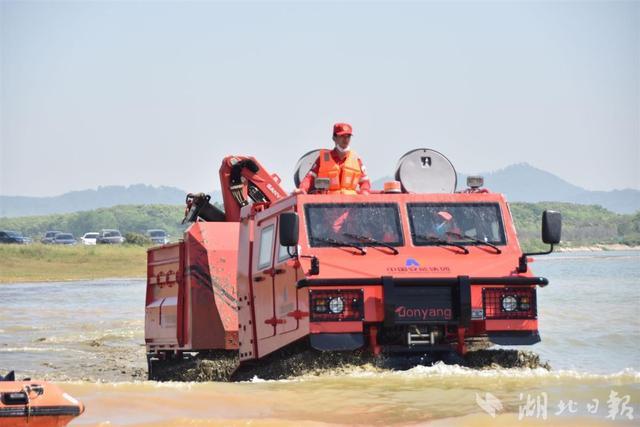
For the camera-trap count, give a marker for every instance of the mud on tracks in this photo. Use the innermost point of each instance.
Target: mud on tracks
(224, 366)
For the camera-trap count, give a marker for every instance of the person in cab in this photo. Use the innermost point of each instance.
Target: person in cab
(445, 226)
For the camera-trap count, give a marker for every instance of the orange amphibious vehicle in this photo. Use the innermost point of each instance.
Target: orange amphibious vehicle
(416, 268)
(35, 404)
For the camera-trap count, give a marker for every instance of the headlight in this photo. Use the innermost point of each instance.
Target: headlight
(336, 305)
(509, 303)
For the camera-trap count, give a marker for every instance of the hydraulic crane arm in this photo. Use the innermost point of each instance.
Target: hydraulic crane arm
(242, 179)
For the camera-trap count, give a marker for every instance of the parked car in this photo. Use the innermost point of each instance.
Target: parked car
(158, 237)
(110, 236)
(89, 238)
(64, 239)
(48, 236)
(7, 236)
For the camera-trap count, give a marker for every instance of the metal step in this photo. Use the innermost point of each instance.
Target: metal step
(421, 338)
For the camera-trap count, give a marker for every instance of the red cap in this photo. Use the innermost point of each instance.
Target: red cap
(342, 129)
(445, 215)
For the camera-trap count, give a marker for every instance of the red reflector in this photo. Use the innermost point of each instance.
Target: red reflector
(336, 305)
(509, 303)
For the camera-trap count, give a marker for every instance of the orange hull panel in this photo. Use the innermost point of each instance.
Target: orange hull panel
(36, 403)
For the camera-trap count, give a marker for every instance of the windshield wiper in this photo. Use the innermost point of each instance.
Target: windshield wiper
(440, 242)
(372, 241)
(473, 239)
(338, 243)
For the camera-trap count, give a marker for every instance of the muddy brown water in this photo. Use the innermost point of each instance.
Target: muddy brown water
(88, 336)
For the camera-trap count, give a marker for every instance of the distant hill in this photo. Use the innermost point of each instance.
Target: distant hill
(103, 197)
(520, 183)
(525, 183)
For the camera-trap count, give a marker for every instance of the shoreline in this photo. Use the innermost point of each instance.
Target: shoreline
(53, 263)
(86, 279)
(599, 247)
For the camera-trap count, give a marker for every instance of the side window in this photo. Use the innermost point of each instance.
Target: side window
(282, 253)
(266, 247)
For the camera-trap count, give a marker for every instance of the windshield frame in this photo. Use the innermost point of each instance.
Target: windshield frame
(449, 207)
(399, 232)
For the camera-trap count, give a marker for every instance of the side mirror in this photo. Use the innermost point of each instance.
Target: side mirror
(289, 229)
(551, 227)
(551, 231)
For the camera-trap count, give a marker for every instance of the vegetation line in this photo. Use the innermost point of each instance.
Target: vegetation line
(583, 226)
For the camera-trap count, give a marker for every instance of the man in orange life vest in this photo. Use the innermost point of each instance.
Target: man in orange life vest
(341, 166)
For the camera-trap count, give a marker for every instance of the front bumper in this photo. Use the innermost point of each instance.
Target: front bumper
(447, 302)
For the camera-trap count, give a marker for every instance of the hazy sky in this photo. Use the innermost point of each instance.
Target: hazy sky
(103, 93)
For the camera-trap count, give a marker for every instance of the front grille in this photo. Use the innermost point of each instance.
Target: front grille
(422, 304)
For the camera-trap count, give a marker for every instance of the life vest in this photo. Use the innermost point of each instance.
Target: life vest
(343, 179)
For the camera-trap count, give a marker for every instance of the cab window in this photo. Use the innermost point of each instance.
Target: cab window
(266, 247)
(348, 222)
(456, 222)
(283, 254)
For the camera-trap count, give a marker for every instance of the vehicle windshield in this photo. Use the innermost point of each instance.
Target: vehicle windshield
(112, 234)
(64, 236)
(341, 221)
(13, 234)
(91, 235)
(456, 223)
(157, 233)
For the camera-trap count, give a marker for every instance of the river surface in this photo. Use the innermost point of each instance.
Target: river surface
(88, 336)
